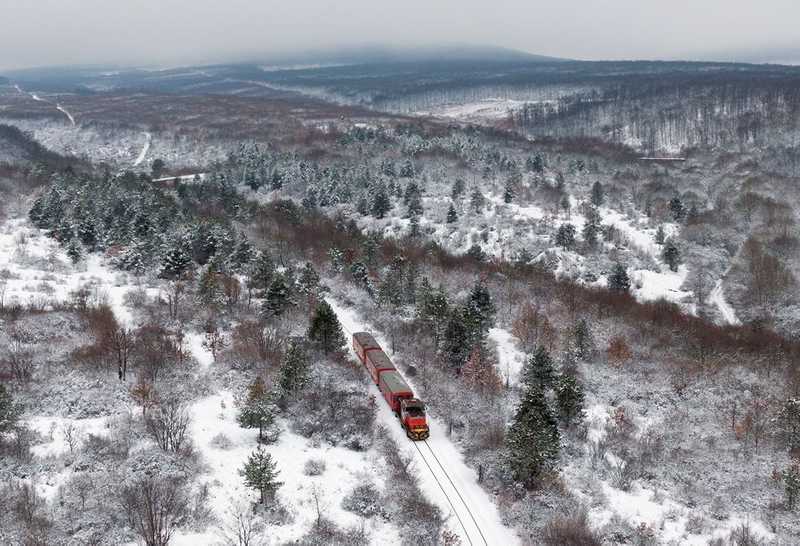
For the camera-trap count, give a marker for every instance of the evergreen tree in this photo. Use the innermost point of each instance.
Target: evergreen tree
(309, 281)
(157, 168)
(569, 398)
(176, 262)
(413, 199)
(598, 194)
(791, 485)
(74, 251)
(242, 256)
(565, 236)
(789, 423)
(510, 190)
(457, 340)
(262, 272)
(9, 411)
(360, 275)
(476, 253)
(324, 329)
(260, 473)
(584, 342)
(618, 281)
(336, 257)
(532, 441)
(278, 297)
(479, 313)
(660, 235)
(676, 208)
(477, 201)
(539, 372)
(452, 215)
(591, 228)
(258, 411)
(458, 189)
(209, 290)
(381, 204)
(671, 255)
(433, 310)
(294, 371)
(87, 233)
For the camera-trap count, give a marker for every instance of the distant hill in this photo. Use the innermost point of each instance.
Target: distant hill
(382, 54)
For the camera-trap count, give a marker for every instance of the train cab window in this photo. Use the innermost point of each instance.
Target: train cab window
(415, 411)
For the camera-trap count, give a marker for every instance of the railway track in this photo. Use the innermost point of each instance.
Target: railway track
(458, 505)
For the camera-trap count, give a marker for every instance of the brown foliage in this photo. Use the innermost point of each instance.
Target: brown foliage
(618, 351)
(480, 374)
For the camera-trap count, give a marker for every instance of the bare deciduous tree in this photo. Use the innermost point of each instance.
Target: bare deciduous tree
(154, 507)
(167, 425)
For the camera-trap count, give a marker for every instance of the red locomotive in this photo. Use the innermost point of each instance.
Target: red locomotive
(395, 390)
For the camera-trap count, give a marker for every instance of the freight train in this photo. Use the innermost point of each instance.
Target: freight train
(409, 409)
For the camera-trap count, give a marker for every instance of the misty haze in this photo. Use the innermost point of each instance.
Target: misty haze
(456, 273)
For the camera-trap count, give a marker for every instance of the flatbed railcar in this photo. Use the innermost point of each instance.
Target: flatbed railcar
(394, 389)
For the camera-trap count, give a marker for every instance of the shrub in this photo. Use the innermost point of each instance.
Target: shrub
(314, 467)
(364, 500)
(570, 530)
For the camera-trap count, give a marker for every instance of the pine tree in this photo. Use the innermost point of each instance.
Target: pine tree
(433, 310)
(262, 271)
(510, 191)
(381, 204)
(242, 256)
(9, 411)
(565, 236)
(176, 263)
(660, 235)
(598, 194)
(584, 342)
(324, 329)
(477, 201)
(336, 256)
(479, 313)
(789, 423)
(591, 228)
(258, 411)
(569, 398)
(209, 290)
(452, 215)
(671, 255)
(676, 208)
(618, 281)
(308, 283)
(532, 441)
(456, 342)
(74, 251)
(278, 297)
(413, 199)
(294, 372)
(791, 485)
(260, 473)
(458, 188)
(539, 371)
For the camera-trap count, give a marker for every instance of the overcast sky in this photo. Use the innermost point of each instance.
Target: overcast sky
(164, 32)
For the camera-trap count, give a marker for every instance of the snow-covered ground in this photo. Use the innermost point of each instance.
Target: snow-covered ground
(474, 516)
(492, 109)
(214, 418)
(145, 148)
(717, 299)
(644, 507)
(39, 272)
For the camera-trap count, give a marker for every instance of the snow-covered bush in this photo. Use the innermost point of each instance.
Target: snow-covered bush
(364, 500)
